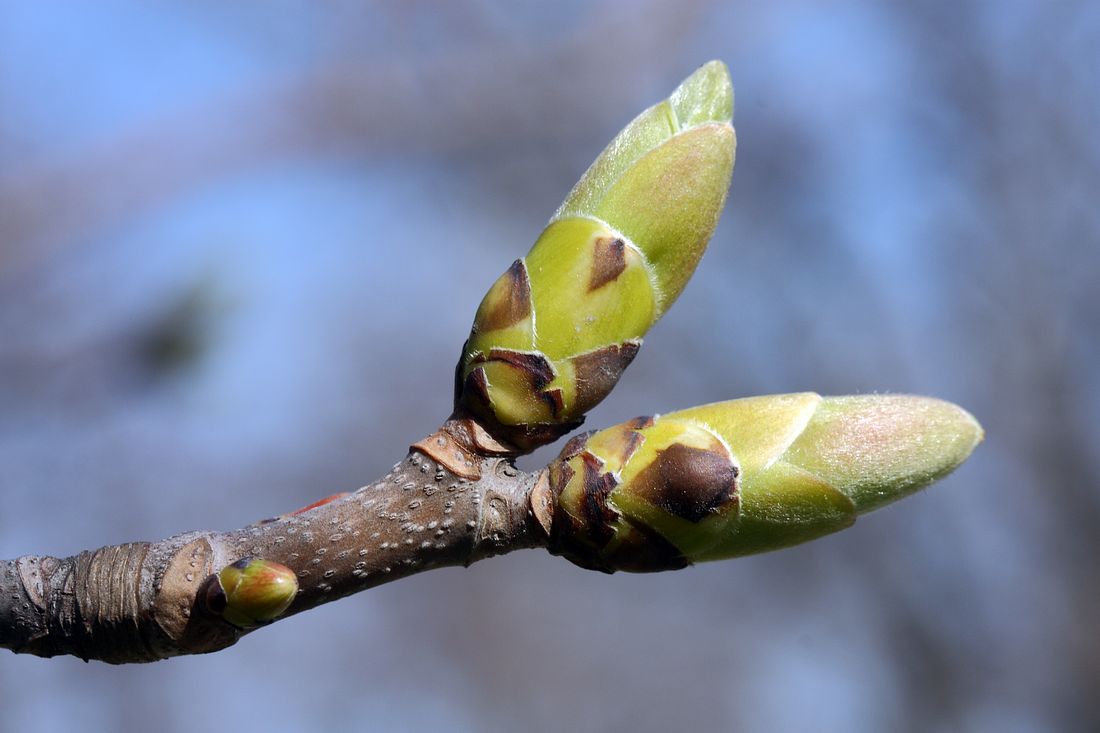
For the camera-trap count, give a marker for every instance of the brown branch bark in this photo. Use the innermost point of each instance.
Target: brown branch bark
(456, 498)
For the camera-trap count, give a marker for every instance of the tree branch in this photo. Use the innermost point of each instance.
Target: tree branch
(653, 493)
(456, 498)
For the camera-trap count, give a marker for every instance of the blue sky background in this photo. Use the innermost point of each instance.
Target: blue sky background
(241, 245)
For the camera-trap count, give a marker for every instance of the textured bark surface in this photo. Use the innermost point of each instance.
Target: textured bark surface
(449, 502)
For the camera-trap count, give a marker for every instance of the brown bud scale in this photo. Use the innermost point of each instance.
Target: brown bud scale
(534, 366)
(608, 262)
(598, 371)
(689, 482)
(600, 518)
(509, 301)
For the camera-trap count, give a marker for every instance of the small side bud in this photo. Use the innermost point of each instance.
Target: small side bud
(252, 592)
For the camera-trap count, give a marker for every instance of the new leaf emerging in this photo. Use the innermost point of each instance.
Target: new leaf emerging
(555, 332)
(741, 477)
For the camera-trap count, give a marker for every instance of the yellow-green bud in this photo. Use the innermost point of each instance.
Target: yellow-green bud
(745, 476)
(555, 332)
(251, 592)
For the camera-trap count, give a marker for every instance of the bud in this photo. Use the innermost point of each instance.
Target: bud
(555, 332)
(251, 592)
(745, 476)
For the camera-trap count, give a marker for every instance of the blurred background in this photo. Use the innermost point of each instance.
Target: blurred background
(241, 245)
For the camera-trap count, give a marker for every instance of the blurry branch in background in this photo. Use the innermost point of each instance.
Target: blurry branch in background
(550, 340)
(365, 108)
(1017, 136)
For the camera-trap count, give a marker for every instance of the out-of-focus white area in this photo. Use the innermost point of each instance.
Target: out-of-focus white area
(241, 246)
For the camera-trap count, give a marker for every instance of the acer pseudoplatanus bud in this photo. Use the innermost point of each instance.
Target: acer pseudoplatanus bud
(741, 477)
(555, 332)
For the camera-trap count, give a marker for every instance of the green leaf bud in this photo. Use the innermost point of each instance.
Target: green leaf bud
(251, 592)
(555, 332)
(745, 476)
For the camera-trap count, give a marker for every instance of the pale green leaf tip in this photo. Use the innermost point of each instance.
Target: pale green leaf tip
(705, 96)
(877, 449)
(704, 99)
